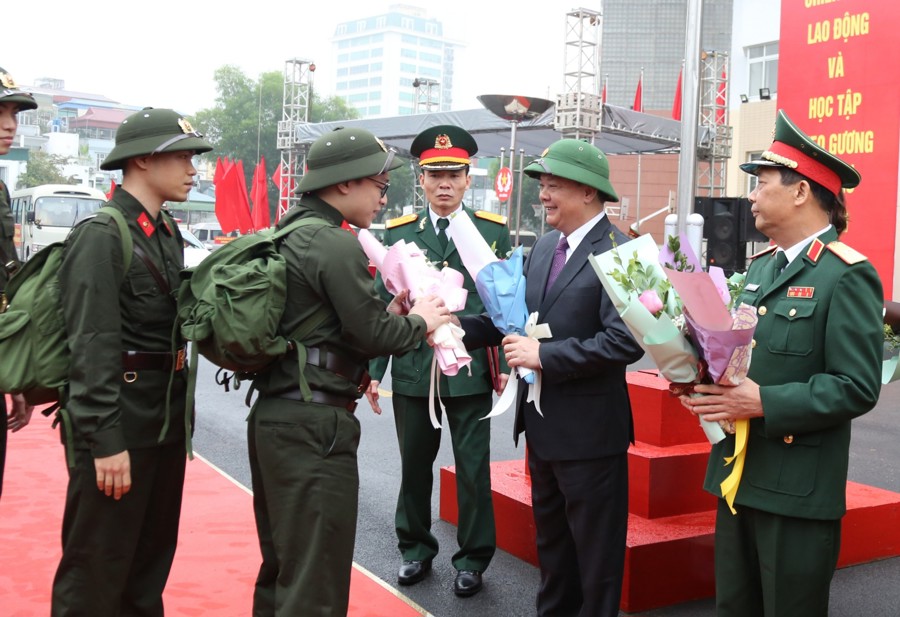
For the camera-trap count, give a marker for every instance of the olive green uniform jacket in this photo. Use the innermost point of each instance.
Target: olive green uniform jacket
(817, 359)
(7, 233)
(410, 373)
(108, 311)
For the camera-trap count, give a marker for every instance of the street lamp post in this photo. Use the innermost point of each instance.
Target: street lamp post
(514, 109)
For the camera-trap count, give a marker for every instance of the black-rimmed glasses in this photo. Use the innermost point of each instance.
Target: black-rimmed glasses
(384, 186)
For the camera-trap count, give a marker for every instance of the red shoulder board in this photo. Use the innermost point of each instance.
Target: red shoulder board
(765, 251)
(846, 253)
(400, 220)
(491, 216)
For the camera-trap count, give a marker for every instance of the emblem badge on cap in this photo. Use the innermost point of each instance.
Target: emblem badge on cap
(7, 81)
(442, 142)
(186, 126)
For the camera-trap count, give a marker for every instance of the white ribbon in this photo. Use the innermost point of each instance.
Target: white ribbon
(508, 397)
(447, 336)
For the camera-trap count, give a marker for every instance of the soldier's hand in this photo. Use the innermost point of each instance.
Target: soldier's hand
(114, 474)
(432, 310)
(20, 414)
(372, 396)
(400, 304)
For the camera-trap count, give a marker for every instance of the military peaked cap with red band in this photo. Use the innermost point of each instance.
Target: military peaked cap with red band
(443, 147)
(794, 149)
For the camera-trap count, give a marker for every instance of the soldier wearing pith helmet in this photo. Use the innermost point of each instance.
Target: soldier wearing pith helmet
(126, 428)
(302, 444)
(12, 100)
(815, 367)
(444, 156)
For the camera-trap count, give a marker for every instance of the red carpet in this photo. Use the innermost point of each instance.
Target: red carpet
(217, 556)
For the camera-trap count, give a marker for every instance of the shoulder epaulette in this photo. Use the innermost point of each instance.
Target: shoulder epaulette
(846, 253)
(765, 251)
(491, 216)
(400, 220)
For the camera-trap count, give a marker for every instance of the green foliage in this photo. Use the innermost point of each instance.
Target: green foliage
(243, 123)
(640, 280)
(681, 261)
(42, 168)
(891, 339)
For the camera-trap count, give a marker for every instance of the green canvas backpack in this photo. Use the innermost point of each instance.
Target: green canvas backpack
(34, 353)
(231, 304)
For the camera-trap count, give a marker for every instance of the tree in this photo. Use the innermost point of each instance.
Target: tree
(42, 168)
(243, 123)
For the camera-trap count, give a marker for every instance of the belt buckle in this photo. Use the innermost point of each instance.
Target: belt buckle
(180, 358)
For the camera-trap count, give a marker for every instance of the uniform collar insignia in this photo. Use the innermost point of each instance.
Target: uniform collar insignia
(146, 224)
(422, 222)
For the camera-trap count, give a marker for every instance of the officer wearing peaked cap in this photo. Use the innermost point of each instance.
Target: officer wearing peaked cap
(816, 365)
(302, 447)
(125, 422)
(578, 443)
(12, 101)
(444, 154)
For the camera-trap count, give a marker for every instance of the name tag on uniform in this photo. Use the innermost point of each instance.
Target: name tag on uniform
(800, 292)
(751, 286)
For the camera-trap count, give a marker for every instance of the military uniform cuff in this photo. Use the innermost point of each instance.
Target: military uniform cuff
(106, 443)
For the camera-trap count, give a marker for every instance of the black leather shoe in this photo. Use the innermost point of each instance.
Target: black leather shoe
(467, 583)
(411, 572)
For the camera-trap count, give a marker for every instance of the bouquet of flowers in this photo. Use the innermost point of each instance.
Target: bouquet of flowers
(404, 266)
(682, 316)
(501, 287)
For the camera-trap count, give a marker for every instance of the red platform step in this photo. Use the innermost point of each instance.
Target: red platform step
(669, 553)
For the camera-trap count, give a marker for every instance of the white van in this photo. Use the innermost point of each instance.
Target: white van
(210, 234)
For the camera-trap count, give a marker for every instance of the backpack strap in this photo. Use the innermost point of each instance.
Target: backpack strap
(127, 240)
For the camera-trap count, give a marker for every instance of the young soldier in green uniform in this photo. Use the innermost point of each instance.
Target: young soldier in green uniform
(12, 101)
(816, 366)
(127, 432)
(303, 449)
(444, 155)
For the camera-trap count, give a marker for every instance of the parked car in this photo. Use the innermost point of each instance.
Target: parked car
(210, 234)
(194, 251)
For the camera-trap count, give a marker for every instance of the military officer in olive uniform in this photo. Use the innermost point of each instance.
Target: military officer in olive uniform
(125, 419)
(12, 101)
(816, 366)
(444, 155)
(303, 448)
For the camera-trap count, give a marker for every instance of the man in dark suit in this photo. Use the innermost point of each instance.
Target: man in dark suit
(816, 365)
(444, 153)
(577, 451)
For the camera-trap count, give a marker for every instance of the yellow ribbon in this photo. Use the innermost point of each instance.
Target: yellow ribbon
(730, 484)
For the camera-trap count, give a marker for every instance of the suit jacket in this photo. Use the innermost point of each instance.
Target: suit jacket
(584, 399)
(817, 358)
(410, 372)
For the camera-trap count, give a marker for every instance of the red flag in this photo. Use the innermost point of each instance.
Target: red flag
(638, 95)
(245, 219)
(676, 104)
(225, 213)
(721, 102)
(259, 194)
(603, 93)
(112, 189)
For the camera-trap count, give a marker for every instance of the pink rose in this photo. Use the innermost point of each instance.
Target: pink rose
(650, 300)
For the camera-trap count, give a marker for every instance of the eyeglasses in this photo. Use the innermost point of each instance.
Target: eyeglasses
(384, 186)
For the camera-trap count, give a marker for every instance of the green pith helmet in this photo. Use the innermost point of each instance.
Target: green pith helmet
(443, 147)
(345, 154)
(152, 131)
(10, 92)
(576, 160)
(793, 149)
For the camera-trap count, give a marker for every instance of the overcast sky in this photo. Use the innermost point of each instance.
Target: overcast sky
(163, 53)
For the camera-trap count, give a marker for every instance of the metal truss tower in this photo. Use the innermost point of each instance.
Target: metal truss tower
(428, 99)
(712, 162)
(297, 100)
(579, 109)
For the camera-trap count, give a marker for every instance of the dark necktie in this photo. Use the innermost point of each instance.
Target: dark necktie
(781, 261)
(442, 232)
(559, 260)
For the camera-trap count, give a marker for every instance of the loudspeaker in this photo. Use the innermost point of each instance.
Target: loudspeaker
(749, 232)
(725, 229)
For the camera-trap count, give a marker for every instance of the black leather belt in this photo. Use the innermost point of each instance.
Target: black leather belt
(133, 361)
(323, 398)
(355, 372)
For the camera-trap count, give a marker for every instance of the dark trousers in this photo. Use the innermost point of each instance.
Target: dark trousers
(581, 518)
(419, 443)
(117, 554)
(773, 566)
(3, 436)
(305, 491)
